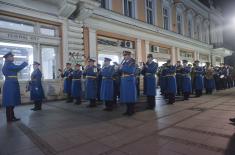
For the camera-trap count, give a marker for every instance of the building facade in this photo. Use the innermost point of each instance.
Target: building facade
(54, 32)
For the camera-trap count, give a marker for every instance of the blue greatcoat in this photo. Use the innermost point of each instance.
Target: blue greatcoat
(67, 80)
(107, 86)
(76, 91)
(186, 80)
(198, 78)
(11, 88)
(162, 79)
(170, 81)
(91, 83)
(149, 71)
(128, 92)
(36, 90)
(178, 78)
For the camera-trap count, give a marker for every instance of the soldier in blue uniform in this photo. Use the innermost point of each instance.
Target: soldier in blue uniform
(35, 86)
(128, 94)
(198, 79)
(149, 71)
(67, 75)
(76, 84)
(162, 79)
(90, 73)
(116, 83)
(179, 78)
(99, 80)
(11, 88)
(186, 80)
(107, 86)
(170, 82)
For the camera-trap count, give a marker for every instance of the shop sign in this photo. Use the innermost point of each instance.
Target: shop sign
(18, 37)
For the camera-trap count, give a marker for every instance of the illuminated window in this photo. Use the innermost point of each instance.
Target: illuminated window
(48, 55)
(22, 53)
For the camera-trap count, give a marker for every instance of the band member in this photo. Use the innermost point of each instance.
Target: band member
(99, 80)
(76, 84)
(67, 75)
(35, 86)
(179, 77)
(198, 79)
(128, 93)
(116, 83)
(209, 79)
(162, 79)
(149, 71)
(11, 88)
(137, 75)
(90, 73)
(186, 80)
(107, 86)
(170, 82)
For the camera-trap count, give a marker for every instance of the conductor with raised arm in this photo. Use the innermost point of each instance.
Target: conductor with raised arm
(11, 87)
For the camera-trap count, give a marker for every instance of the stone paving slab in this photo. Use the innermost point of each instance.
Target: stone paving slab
(199, 126)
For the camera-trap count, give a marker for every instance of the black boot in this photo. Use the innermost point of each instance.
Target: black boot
(78, 101)
(35, 106)
(69, 98)
(12, 115)
(127, 110)
(8, 116)
(132, 109)
(92, 103)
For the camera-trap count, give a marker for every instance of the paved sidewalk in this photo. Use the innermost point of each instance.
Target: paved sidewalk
(199, 126)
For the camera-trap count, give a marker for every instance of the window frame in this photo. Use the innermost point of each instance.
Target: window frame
(108, 4)
(134, 8)
(153, 9)
(20, 21)
(164, 17)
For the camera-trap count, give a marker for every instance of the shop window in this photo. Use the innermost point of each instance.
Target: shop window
(47, 31)
(129, 8)
(115, 58)
(22, 53)
(48, 56)
(186, 54)
(166, 22)
(149, 11)
(14, 25)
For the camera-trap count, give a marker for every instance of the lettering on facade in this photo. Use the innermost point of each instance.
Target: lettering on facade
(23, 37)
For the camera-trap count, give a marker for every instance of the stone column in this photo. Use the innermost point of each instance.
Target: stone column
(139, 51)
(173, 55)
(146, 47)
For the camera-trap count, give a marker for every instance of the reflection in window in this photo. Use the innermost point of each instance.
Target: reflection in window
(47, 31)
(48, 55)
(22, 53)
(166, 18)
(13, 25)
(129, 8)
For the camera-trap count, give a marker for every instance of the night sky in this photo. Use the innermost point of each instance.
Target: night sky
(228, 10)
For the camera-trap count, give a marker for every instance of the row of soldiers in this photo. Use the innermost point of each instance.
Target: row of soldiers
(185, 79)
(111, 82)
(119, 81)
